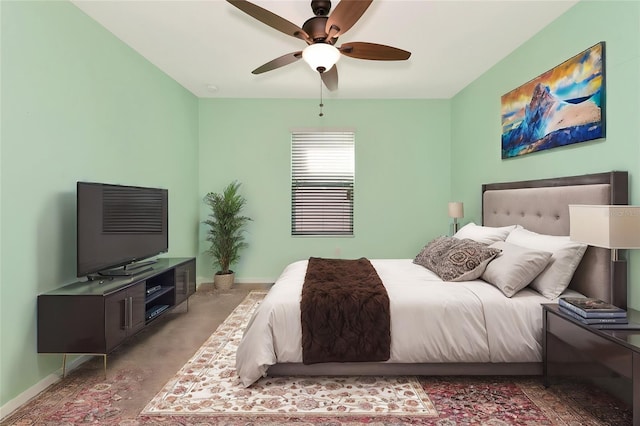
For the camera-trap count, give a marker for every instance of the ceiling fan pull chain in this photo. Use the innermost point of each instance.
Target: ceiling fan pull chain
(321, 104)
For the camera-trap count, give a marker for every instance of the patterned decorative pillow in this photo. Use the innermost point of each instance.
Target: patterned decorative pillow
(431, 254)
(465, 261)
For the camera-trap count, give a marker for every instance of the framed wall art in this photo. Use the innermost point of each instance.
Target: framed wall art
(563, 106)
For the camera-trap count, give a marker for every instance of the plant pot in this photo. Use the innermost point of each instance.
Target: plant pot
(223, 281)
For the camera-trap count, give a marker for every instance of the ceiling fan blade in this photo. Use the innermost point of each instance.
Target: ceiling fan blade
(278, 62)
(271, 19)
(373, 51)
(345, 14)
(330, 78)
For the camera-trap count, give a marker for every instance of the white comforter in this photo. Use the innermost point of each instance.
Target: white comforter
(431, 321)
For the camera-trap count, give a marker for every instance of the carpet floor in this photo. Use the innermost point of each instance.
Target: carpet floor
(167, 376)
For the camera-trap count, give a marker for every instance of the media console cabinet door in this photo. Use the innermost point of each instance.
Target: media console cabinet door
(185, 279)
(138, 295)
(70, 324)
(124, 314)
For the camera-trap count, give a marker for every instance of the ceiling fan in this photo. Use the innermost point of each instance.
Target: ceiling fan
(321, 33)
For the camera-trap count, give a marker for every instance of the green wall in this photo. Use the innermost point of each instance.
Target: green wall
(78, 105)
(476, 110)
(401, 184)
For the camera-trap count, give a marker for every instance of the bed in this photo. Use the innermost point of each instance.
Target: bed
(453, 328)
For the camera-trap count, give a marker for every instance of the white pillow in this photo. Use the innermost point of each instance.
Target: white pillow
(515, 267)
(566, 256)
(484, 234)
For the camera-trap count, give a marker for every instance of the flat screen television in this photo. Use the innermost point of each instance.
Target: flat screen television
(119, 225)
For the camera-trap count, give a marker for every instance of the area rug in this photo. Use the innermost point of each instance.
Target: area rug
(208, 384)
(206, 389)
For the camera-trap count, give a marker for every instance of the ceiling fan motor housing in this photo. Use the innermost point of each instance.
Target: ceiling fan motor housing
(316, 27)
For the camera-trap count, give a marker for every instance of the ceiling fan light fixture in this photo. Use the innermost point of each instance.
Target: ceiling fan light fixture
(321, 56)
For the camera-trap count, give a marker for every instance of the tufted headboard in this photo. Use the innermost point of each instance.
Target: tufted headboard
(542, 206)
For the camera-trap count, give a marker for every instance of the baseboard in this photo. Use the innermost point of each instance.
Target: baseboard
(205, 280)
(254, 281)
(7, 409)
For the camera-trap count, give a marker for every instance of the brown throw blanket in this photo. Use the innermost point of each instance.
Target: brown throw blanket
(344, 312)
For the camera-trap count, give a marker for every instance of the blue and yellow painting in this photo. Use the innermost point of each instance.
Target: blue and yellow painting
(563, 106)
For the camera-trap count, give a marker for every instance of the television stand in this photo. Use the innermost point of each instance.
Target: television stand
(95, 317)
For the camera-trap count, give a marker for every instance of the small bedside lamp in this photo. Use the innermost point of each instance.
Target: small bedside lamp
(612, 227)
(456, 211)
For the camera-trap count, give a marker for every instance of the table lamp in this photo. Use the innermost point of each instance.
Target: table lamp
(456, 211)
(612, 227)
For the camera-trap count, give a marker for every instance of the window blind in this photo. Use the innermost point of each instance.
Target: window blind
(322, 178)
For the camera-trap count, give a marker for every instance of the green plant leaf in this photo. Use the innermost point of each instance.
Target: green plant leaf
(226, 226)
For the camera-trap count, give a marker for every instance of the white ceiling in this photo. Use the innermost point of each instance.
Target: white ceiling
(210, 47)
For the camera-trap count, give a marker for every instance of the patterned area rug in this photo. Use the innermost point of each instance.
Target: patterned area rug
(208, 384)
(87, 398)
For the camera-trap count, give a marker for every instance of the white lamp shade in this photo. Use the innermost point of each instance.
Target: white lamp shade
(613, 227)
(321, 55)
(456, 209)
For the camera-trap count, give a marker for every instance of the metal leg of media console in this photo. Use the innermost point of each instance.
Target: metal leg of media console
(64, 363)
(635, 396)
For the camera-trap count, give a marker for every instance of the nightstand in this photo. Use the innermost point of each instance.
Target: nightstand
(572, 348)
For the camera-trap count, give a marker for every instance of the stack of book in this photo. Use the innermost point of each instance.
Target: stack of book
(593, 311)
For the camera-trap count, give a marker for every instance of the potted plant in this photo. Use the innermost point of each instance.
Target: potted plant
(226, 227)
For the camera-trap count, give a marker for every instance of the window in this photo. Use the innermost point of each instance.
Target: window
(322, 175)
